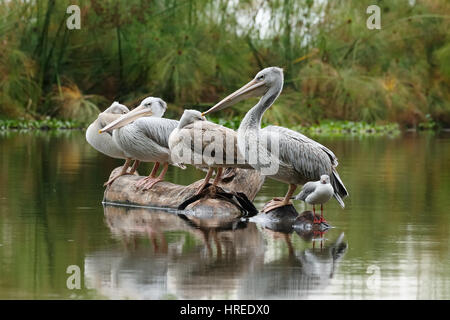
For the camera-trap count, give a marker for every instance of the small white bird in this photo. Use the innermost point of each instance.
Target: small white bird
(317, 192)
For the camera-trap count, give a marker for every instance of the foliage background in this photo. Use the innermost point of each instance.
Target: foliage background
(193, 52)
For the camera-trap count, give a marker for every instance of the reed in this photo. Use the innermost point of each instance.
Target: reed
(195, 52)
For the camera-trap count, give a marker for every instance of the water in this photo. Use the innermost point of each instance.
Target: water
(391, 241)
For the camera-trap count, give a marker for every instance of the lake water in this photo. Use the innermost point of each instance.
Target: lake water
(391, 241)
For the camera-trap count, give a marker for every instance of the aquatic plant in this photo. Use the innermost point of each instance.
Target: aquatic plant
(45, 124)
(345, 128)
(326, 127)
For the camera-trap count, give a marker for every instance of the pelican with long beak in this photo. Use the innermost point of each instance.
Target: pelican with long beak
(298, 159)
(104, 142)
(143, 135)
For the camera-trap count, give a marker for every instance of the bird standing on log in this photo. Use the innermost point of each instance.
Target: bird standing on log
(298, 159)
(317, 192)
(104, 142)
(204, 144)
(143, 135)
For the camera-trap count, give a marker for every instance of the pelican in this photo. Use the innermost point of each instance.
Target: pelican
(104, 142)
(143, 135)
(299, 159)
(205, 145)
(317, 192)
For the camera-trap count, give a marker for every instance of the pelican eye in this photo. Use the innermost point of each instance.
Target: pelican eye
(261, 77)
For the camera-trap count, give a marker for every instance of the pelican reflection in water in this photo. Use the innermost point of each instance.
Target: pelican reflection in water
(300, 159)
(207, 261)
(143, 135)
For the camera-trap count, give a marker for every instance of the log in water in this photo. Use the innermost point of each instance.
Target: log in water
(218, 202)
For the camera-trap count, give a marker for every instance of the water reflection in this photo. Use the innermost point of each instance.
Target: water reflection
(295, 275)
(166, 256)
(51, 217)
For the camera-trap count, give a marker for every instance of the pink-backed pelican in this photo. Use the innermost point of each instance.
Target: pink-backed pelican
(204, 144)
(143, 135)
(299, 159)
(104, 142)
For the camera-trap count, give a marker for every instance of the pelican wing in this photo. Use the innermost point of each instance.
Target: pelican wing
(291, 135)
(157, 129)
(308, 157)
(211, 138)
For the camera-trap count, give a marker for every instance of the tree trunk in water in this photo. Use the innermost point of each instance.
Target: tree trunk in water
(169, 195)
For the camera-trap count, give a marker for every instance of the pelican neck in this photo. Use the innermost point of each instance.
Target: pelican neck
(252, 119)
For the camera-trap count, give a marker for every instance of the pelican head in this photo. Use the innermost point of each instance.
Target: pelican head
(157, 105)
(263, 81)
(150, 106)
(324, 179)
(190, 116)
(117, 108)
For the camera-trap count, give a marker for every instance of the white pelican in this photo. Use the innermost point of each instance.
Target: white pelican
(143, 135)
(299, 159)
(317, 192)
(104, 142)
(205, 144)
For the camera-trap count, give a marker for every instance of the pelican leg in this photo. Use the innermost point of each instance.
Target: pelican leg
(152, 181)
(287, 239)
(218, 245)
(154, 170)
(218, 176)
(125, 167)
(206, 181)
(135, 166)
(280, 202)
(151, 176)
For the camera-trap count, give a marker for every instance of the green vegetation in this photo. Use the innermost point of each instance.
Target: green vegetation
(329, 127)
(45, 124)
(339, 128)
(194, 52)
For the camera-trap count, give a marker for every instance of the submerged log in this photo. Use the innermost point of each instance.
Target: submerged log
(237, 183)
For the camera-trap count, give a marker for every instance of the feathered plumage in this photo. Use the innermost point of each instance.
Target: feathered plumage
(291, 157)
(146, 139)
(308, 158)
(104, 142)
(213, 144)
